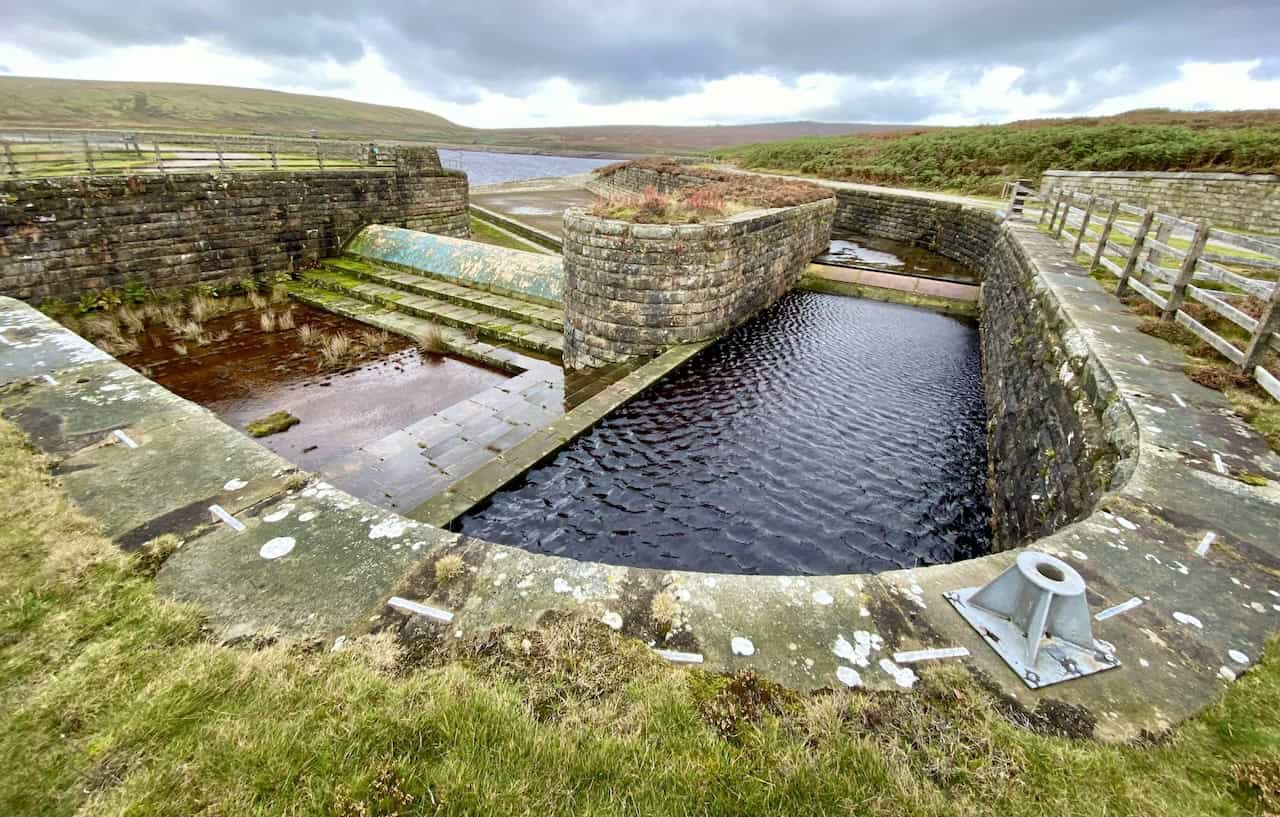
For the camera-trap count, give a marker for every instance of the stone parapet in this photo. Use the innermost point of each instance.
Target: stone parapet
(63, 236)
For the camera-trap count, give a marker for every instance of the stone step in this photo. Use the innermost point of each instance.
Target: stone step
(483, 324)
(508, 307)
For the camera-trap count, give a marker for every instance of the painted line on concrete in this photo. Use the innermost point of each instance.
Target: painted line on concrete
(1219, 464)
(912, 656)
(125, 438)
(407, 606)
(220, 513)
(1203, 547)
(1122, 607)
(677, 657)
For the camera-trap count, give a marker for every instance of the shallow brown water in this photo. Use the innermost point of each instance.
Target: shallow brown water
(848, 249)
(253, 373)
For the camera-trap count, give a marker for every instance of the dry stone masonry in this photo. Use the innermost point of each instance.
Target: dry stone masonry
(634, 289)
(64, 236)
(1246, 202)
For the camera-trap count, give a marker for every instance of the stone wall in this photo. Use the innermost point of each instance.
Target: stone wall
(1247, 202)
(630, 179)
(633, 289)
(1050, 452)
(64, 236)
(959, 232)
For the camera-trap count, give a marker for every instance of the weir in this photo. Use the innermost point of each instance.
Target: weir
(1101, 453)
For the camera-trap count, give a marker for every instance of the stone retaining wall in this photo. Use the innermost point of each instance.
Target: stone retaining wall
(961, 233)
(630, 180)
(64, 236)
(1246, 202)
(1049, 454)
(634, 289)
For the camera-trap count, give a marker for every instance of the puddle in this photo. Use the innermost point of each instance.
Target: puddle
(382, 387)
(884, 255)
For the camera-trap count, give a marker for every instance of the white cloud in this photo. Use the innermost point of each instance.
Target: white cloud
(1202, 85)
(993, 96)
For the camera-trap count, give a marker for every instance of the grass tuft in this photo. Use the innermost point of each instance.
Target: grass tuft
(273, 423)
(448, 568)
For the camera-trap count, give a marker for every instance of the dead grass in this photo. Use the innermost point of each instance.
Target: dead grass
(336, 348)
(114, 701)
(285, 319)
(448, 568)
(432, 341)
(309, 335)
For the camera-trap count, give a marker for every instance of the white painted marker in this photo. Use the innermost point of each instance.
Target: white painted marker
(124, 438)
(220, 513)
(677, 657)
(407, 606)
(1179, 401)
(1203, 547)
(1122, 607)
(912, 656)
(1143, 360)
(1219, 464)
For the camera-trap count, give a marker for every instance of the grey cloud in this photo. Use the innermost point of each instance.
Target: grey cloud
(634, 49)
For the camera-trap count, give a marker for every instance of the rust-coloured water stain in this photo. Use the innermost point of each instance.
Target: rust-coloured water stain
(253, 373)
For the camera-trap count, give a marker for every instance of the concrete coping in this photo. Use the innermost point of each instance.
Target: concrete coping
(1198, 548)
(1184, 175)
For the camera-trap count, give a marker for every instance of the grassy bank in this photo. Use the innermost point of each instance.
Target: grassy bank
(113, 701)
(487, 233)
(979, 159)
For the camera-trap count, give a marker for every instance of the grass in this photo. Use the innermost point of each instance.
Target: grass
(432, 340)
(980, 159)
(485, 232)
(114, 701)
(273, 423)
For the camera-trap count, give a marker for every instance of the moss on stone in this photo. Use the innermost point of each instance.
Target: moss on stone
(273, 423)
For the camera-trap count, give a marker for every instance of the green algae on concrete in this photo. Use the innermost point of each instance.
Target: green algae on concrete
(531, 276)
(273, 423)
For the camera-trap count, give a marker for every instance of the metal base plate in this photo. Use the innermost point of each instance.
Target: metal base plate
(1057, 660)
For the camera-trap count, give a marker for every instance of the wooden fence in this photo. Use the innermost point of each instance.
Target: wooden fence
(28, 154)
(1170, 261)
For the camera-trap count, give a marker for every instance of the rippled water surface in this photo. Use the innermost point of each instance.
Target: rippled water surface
(484, 167)
(828, 435)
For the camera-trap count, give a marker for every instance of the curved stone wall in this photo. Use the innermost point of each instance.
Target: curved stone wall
(634, 289)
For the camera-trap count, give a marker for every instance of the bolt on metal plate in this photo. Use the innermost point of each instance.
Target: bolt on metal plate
(1035, 617)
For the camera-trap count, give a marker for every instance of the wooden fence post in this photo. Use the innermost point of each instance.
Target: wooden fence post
(1084, 224)
(1135, 253)
(1044, 206)
(1106, 235)
(8, 157)
(1267, 324)
(1163, 233)
(222, 165)
(88, 156)
(1066, 212)
(275, 162)
(1179, 291)
(319, 156)
(159, 158)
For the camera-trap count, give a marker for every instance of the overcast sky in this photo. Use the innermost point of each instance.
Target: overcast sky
(556, 62)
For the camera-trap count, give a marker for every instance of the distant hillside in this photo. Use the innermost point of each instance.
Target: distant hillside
(980, 159)
(36, 103)
(29, 102)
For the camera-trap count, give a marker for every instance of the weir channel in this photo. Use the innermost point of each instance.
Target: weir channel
(1100, 452)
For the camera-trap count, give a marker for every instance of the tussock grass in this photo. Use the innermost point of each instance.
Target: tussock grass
(336, 348)
(267, 320)
(285, 319)
(309, 335)
(112, 700)
(432, 341)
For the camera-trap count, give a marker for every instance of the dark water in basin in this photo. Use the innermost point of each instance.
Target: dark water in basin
(828, 435)
(484, 167)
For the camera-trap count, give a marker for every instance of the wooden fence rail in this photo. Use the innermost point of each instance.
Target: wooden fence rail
(1228, 273)
(27, 154)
